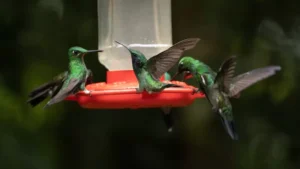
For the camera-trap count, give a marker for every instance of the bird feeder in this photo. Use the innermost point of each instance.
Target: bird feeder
(144, 25)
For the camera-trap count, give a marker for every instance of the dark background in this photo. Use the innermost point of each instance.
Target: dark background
(35, 37)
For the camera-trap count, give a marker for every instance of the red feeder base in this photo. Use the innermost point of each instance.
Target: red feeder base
(119, 92)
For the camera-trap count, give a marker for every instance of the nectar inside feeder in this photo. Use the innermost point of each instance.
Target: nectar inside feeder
(147, 30)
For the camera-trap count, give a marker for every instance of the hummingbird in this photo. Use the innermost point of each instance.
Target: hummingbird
(219, 87)
(149, 71)
(66, 83)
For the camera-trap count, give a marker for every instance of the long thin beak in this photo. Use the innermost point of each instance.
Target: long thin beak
(187, 75)
(92, 51)
(121, 44)
(177, 73)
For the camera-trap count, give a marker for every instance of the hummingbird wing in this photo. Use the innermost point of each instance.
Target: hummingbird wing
(247, 79)
(89, 79)
(70, 86)
(47, 89)
(164, 61)
(225, 74)
(57, 79)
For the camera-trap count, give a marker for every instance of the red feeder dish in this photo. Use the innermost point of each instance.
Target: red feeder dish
(119, 92)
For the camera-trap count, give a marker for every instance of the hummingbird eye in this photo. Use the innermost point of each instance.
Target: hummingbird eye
(180, 66)
(75, 52)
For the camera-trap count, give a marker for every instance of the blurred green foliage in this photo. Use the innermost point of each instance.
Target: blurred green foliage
(35, 36)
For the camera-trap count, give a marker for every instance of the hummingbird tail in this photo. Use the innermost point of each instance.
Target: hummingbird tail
(167, 116)
(42, 88)
(39, 94)
(230, 128)
(38, 97)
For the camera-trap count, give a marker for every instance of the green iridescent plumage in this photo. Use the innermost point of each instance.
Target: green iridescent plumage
(149, 71)
(219, 87)
(66, 83)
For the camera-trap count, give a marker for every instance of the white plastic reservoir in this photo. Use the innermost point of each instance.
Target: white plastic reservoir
(144, 25)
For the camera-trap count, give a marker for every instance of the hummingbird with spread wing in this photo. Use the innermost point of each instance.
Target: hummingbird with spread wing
(66, 83)
(219, 87)
(149, 71)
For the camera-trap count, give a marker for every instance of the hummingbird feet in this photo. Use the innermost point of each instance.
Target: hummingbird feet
(86, 91)
(195, 91)
(138, 90)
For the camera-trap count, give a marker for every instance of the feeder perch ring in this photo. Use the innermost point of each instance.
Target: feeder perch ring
(119, 92)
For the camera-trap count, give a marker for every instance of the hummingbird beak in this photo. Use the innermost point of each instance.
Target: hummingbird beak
(187, 75)
(122, 45)
(177, 73)
(92, 51)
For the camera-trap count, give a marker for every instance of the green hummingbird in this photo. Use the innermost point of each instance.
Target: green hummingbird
(149, 71)
(219, 87)
(66, 83)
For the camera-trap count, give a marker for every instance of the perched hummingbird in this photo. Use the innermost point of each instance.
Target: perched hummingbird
(149, 71)
(66, 83)
(219, 87)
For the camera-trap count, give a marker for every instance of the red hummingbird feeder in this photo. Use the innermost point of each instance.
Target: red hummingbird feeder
(119, 92)
(149, 31)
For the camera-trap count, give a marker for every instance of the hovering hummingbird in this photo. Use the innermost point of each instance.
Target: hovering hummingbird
(66, 83)
(149, 71)
(219, 87)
